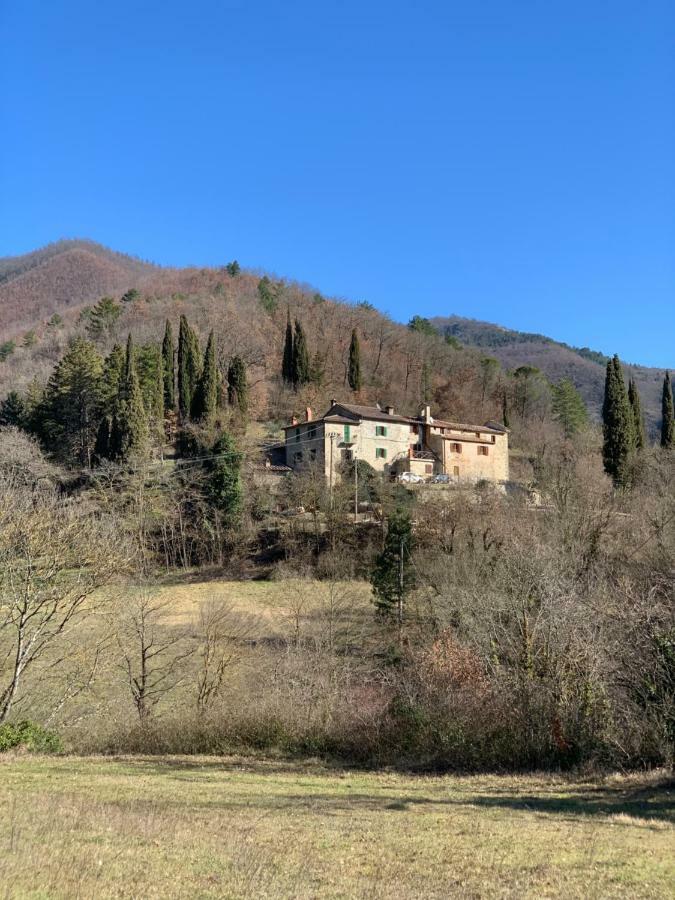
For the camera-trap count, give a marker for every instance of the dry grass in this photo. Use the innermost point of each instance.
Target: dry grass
(206, 827)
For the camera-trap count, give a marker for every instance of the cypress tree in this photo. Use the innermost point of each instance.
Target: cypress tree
(129, 433)
(354, 372)
(392, 576)
(189, 367)
(205, 397)
(638, 420)
(618, 428)
(505, 411)
(301, 367)
(237, 387)
(169, 369)
(224, 481)
(569, 408)
(287, 361)
(667, 417)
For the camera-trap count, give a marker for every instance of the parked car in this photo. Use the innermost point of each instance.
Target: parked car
(410, 478)
(441, 478)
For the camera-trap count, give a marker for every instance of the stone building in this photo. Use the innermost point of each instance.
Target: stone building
(393, 444)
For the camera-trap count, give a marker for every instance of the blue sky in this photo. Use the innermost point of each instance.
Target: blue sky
(509, 161)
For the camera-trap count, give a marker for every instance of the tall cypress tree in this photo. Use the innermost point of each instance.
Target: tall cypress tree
(189, 366)
(667, 417)
(168, 369)
(618, 428)
(287, 361)
(354, 372)
(237, 387)
(205, 398)
(224, 481)
(129, 432)
(638, 420)
(301, 367)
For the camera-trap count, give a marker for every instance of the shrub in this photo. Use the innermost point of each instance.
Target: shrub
(29, 736)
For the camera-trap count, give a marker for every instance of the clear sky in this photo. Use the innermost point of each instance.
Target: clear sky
(511, 161)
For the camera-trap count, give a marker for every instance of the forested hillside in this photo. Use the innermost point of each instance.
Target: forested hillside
(583, 366)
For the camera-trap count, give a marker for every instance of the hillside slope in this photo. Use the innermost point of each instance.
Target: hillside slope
(585, 367)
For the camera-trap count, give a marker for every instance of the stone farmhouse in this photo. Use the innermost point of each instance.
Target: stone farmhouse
(393, 444)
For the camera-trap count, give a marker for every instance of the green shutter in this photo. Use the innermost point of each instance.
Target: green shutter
(348, 434)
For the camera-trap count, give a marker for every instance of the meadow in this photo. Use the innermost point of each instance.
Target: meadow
(243, 827)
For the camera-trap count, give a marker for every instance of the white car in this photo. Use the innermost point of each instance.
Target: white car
(410, 478)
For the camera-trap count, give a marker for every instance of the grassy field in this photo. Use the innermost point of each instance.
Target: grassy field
(206, 827)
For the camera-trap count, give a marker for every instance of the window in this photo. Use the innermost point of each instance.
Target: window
(297, 434)
(312, 453)
(483, 451)
(311, 434)
(456, 448)
(380, 431)
(429, 469)
(348, 434)
(297, 457)
(380, 453)
(415, 429)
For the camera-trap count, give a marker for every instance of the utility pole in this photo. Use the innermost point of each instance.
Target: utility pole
(332, 435)
(400, 587)
(356, 487)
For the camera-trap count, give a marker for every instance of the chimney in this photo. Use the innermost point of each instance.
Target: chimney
(308, 414)
(425, 413)
(294, 420)
(389, 410)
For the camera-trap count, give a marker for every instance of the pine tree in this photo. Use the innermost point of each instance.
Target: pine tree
(354, 372)
(301, 368)
(169, 369)
(69, 414)
(13, 410)
(237, 387)
(667, 417)
(392, 576)
(224, 481)
(287, 361)
(618, 429)
(205, 398)
(638, 420)
(569, 408)
(129, 432)
(189, 367)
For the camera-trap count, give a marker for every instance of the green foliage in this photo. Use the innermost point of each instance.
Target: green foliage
(268, 294)
(224, 480)
(131, 296)
(365, 305)
(68, 416)
(368, 481)
(422, 326)
(29, 339)
(505, 411)
(129, 431)
(56, 321)
(667, 417)
(168, 369)
(317, 369)
(638, 419)
(233, 268)
(13, 410)
(452, 341)
(354, 371)
(318, 298)
(189, 367)
(301, 367)
(103, 318)
(29, 736)
(205, 398)
(237, 386)
(287, 360)
(618, 425)
(392, 576)
(6, 349)
(149, 365)
(569, 408)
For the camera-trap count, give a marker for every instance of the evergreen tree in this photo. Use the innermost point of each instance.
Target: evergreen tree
(392, 576)
(667, 417)
(505, 410)
(129, 432)
(287, 361)
(150, 369)
(205, 398)
(354, 372)
(618, 430)
(68, 416)
(317, 370)
(103, 317)
(113, 371)
(169, 369)
(189, 367)
(237, 387)
(13, 410)
(224, 480)
(301, 369)
(569, 408)
(638, 420)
